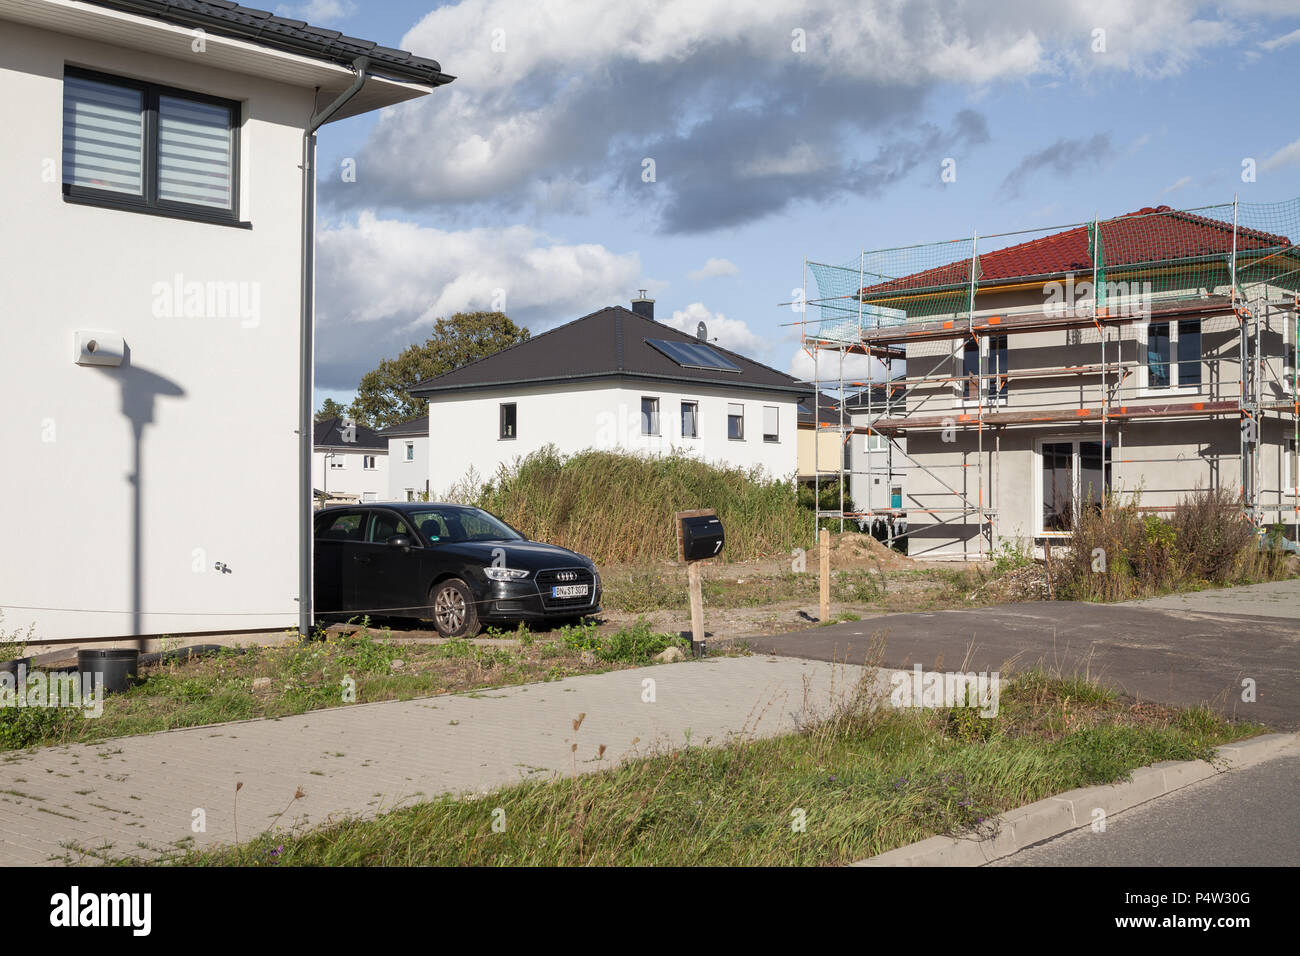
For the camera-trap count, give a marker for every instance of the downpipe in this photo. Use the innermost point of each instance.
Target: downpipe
(306, 341)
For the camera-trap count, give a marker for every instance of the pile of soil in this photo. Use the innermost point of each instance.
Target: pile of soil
(851, 549)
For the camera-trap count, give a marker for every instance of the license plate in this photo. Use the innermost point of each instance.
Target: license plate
(569, 590)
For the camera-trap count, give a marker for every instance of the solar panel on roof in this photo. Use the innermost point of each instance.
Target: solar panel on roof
(693, 355)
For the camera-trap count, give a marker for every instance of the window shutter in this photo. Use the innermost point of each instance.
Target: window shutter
(103, 136)
(194, 161)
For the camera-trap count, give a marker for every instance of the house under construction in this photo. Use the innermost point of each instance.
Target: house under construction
(1151, 354)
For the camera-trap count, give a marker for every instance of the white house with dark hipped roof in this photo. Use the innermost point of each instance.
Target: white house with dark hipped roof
(349, 462)
(155, 147)
(613, 380)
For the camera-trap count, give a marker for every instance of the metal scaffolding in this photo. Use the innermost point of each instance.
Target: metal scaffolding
(1232, 266)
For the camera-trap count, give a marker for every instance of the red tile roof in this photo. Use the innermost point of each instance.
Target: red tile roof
(1149, 235)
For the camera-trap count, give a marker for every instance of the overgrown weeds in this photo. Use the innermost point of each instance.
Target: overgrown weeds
(1120, 551)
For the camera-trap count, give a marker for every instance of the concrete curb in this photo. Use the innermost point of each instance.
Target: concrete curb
(1073, 809)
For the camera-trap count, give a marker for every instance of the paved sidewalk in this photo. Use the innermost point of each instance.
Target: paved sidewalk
(138, 795)
(1272, 599)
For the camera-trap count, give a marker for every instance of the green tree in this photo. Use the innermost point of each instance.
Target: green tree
(330, 409)
(382, 398)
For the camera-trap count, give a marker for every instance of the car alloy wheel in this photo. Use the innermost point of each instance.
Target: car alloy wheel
(454, 613)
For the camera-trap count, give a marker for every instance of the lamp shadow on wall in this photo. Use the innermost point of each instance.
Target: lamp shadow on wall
(140, 391)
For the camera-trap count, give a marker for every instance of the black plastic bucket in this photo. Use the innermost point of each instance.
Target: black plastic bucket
(118, 667)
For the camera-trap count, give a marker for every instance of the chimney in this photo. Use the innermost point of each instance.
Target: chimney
(644, 307)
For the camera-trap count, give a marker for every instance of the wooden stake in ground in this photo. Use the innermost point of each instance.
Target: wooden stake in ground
(824, 546)
(693, 579)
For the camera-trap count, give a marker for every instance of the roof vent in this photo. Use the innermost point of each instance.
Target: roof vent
(644, 307)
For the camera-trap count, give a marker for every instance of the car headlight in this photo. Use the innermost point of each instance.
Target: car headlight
(505, 574)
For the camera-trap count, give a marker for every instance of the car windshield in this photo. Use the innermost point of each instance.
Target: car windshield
(461, 524)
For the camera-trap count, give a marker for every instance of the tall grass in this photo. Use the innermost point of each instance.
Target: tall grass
(618, 508)
(1119, 552)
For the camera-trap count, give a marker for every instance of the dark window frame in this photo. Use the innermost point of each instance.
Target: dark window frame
(739, 419)
(653, 421)
(501, 421)
(148, 201)
(695, 418)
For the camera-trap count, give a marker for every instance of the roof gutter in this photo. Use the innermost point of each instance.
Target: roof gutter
(429, 391)
(307, 349)
(331, 49)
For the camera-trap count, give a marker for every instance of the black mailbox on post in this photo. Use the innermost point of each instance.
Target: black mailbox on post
(699, 535)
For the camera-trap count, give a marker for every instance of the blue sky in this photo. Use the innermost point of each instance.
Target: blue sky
(523, 179)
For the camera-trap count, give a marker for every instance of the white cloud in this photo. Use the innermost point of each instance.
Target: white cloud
(857, 368)
(582, 92)
(731, 334)
(1286, 156)
(1174, 187)
(1278, 43)
(714, 268)
(382, 282)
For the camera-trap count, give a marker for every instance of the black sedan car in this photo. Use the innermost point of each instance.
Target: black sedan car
(458, 566)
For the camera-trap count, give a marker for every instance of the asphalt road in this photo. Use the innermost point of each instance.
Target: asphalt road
(1187, 655)
(1248, 817)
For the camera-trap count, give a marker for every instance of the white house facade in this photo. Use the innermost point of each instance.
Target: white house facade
(349, 462)
(150, 306)
(608, 381)
(408, 459)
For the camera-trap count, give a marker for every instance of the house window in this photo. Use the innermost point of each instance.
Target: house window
(369, 496)
(1073, 475)
(690, 419)
(507, 421)
(410, 451)
(1173, 354)
(149, 148)
(995, 367)
(877, 442)
(337, 461)
(649, 415)
(410, 494)
(736, 422)
(368, 462)
(771, 418)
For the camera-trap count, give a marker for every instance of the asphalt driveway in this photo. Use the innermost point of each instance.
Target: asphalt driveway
(1186, 650)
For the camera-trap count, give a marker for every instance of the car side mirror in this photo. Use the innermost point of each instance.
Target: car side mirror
(399, 541)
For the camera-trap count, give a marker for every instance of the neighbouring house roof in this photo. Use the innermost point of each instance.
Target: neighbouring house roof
(224, 18)
(858, 400)
(1126, 240)
(826, 405)
(329, 434)
(415, 428)
(610, 343)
